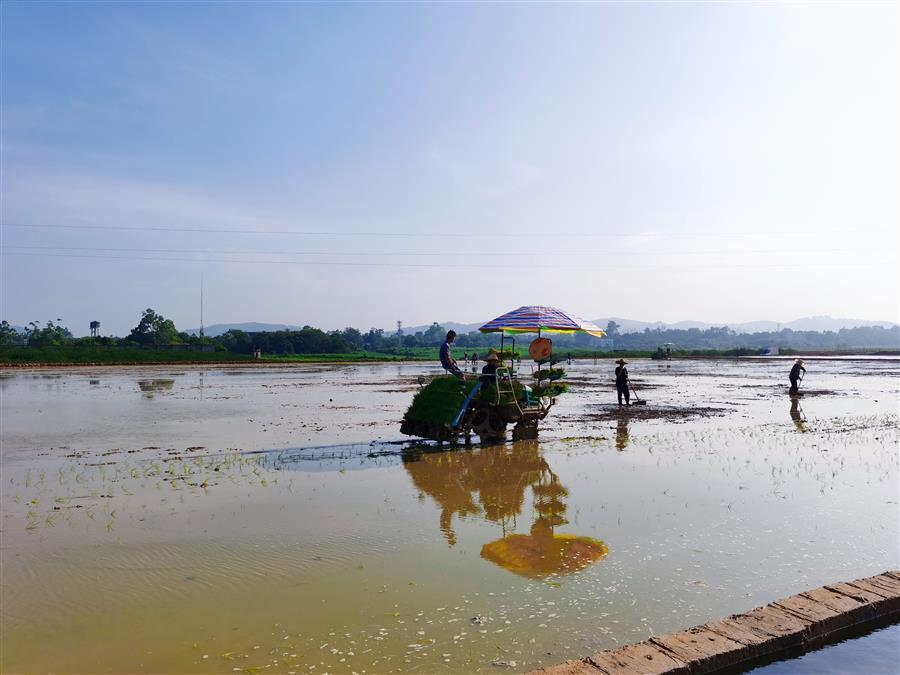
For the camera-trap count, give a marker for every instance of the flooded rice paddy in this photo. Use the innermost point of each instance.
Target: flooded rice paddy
(274, 520)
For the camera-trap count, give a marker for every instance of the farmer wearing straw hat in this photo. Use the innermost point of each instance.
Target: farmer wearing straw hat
(622, 382)
(795, 377)
(489, 372)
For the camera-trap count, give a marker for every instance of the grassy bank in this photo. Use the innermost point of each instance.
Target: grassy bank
(109, 355)
(354, 357)
(91, 354)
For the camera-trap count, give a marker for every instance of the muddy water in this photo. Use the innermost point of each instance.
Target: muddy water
(274, 520)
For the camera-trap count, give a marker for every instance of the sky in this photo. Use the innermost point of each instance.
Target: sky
(355, 164)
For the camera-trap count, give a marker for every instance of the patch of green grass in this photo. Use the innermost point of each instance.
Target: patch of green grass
(408, 355)
(97, 354)
(552, 389)
(549, 374)
(84, 354)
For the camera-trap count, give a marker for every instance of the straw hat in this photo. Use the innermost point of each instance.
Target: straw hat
(622, 361)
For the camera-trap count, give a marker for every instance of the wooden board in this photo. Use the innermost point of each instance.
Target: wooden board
(569, 668)
(643, 658)
(823, 619)
(804, 620)
(772, 629)
(890, 604)
(886, 582)
(706, 650)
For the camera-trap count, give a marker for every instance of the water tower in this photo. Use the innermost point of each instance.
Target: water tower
(95, 329)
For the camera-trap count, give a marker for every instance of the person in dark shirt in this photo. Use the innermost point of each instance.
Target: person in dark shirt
(447, 360)
(488, 373)
(794, 377)
(622, 382)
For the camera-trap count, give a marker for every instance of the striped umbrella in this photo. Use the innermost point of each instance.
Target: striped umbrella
(537, 319)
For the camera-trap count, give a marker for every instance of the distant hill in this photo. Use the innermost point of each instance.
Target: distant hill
(250, 327)
(821, 323)
(461, 328)
(813, 323)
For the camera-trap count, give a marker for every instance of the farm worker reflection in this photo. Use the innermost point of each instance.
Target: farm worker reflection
(622, 382)
(795, 376)
(447, 360)
(797, 415)
(622, 433)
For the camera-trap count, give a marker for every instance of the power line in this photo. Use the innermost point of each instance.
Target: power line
(494, 232)
(492, 254)
(530, 266)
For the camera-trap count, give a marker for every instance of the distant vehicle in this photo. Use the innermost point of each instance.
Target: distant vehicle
(663, 352)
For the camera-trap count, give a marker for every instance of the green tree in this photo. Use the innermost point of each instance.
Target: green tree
(52, 334)
(434, 336)
(154, 329)
(353, 337)
(9, 335)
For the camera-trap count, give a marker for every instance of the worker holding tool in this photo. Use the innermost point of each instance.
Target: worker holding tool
(795, 376)
(622, 382)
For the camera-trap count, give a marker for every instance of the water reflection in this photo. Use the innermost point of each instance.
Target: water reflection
(149, 387)
(622, 432)
(492, 482)
(797, 415)
(489, 481)
(543, 553)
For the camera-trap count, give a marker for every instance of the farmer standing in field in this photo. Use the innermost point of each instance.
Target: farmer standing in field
(794, 377)
(447, 360)
(622, 382)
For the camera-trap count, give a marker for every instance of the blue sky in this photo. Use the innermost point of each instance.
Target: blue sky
(714, 161)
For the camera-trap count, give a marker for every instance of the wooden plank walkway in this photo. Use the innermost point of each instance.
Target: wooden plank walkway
(805, 620)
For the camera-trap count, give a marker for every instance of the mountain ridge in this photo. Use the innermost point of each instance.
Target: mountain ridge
(820, 323)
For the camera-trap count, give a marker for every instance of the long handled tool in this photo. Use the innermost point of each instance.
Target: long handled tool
(637, 399)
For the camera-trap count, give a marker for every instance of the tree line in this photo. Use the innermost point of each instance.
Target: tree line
(153, 330)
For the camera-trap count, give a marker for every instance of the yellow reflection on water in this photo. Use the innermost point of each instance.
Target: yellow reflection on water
(492, 482)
